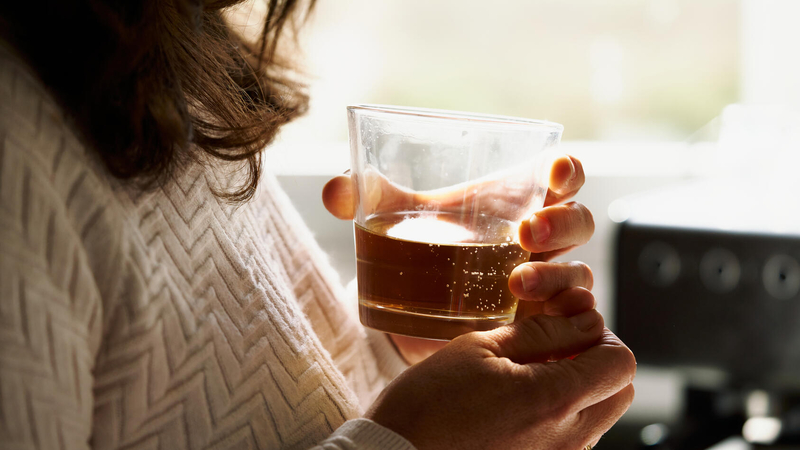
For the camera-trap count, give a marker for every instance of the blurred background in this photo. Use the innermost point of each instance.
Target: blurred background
(643, 89)
(607, 70)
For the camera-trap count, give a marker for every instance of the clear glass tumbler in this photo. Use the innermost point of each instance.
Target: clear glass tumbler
(439, 199)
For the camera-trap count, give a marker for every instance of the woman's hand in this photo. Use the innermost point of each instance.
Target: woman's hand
(552, 231)
(514, 387)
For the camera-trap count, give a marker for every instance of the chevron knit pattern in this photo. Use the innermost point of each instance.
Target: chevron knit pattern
(164, 319)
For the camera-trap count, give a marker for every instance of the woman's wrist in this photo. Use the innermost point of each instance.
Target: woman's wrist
(414, 350)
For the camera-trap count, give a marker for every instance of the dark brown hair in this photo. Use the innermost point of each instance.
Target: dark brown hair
(153, 84)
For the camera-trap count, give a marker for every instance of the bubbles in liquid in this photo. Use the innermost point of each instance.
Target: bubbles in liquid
(446, 279)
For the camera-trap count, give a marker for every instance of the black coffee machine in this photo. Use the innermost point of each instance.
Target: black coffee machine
(707, 280)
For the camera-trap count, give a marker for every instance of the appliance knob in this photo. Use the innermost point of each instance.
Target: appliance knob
(781, 277)
(720, 270)
(659, 264)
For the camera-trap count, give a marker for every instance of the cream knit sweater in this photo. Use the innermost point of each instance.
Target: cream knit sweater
(166, 319)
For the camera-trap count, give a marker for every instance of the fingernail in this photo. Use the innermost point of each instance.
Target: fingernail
(540, 229)
(585, 320)
(572, 172)
(530, 278)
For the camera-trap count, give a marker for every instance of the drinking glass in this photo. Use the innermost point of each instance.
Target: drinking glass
(439, 199)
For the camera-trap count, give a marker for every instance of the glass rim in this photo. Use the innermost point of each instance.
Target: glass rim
(443, 114)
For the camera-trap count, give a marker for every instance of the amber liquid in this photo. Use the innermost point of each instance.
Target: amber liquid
(430, 275)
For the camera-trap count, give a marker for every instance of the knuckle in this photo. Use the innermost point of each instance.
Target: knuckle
(572, 219)
(584, 214)
(541, 326)
(561, 398)
(585, 275)
(589, 219)
(560, 409)
(562, 275)
(618, 405)
(543, 331)
(624, 360)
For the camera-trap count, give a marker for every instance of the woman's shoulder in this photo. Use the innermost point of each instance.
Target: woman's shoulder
(35, 133)
(51, 189)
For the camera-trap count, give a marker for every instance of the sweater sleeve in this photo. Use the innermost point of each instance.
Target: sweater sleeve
(50, 314)
(364, 434)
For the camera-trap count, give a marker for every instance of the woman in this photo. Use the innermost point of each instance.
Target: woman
(159, 291)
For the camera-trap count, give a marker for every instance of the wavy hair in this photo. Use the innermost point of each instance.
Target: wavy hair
(153, 84)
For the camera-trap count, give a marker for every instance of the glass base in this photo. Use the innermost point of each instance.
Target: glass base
(427, 326)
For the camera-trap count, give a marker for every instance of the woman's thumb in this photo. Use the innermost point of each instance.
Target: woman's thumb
(338, 197)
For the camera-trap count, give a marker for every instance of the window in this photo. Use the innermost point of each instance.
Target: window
(611, 70)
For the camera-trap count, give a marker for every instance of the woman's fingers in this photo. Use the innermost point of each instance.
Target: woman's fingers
(542, 338)
(541, 281)
(338, 196)
(498, 198)
(554, 289)
(568, 303)
(566, 179)
(557, 228)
